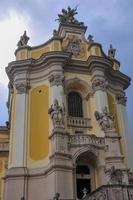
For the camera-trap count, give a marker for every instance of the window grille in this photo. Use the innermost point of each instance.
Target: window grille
(75, 105)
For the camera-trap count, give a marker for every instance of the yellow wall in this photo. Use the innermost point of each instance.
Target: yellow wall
(1, 174)
(4, 138)
(56, 45)
(3, 159)
(39, 123)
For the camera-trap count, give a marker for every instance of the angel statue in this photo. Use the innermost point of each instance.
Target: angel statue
(68, 16)
(57, 114)
(105, 119)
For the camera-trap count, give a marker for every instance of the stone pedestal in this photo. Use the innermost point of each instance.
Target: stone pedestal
(16, 184)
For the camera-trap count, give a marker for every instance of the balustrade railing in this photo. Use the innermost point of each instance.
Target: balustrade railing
(79, 122)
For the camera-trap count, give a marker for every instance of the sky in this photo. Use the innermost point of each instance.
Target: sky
(110, 22)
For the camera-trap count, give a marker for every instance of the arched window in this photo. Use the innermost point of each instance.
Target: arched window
(75, 105)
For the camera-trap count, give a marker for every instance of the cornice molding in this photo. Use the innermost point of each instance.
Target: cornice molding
(63, 59)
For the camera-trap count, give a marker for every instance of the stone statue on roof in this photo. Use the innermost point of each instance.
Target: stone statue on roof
(111, 52)
(68, 16)
(23, 40)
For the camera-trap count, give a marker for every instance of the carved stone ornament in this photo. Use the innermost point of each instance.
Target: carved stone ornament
(99, 84)
(57, 114)
(55, 33)
(90, 38)
(56, 79)
(68, 17)
(75, 46)
(115, 175)
(84, 192)
(10, 86)
(121, 99)
(23, 40)
(111, 52)
(99, 195)
(56, 197)
(105, 120)
(22, 88)
(130, 192)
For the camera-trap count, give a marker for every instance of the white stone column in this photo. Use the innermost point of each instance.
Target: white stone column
(20, 131)
(99, 85)
(124, 130)
(100, 95)
(56, 82)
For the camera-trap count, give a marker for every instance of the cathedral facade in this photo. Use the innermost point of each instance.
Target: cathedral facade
(69, 136)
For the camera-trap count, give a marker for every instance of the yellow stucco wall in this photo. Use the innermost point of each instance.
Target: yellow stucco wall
(3, 159)
(4, 138)
(1, 174)
(38, 124)
(57, 45)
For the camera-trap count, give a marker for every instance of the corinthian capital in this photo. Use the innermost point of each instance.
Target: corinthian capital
(56, 79)
(22, 88)
(121, 99)
(99, 84)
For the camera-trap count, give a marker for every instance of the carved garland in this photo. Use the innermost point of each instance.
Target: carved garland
(22, 88)
(99, 84)
(121, 99)
(56, 79)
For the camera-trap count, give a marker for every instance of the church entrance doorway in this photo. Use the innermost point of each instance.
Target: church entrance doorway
(85, 174)
(83, 180)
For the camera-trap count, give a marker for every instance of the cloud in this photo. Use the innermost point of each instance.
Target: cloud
(10, 30)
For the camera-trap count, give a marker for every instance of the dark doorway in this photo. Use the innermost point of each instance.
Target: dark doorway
(81, 184)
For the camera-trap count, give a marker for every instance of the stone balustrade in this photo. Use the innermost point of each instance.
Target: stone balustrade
(111, 192)
(4, 146)
(83, 139)
(79, 122)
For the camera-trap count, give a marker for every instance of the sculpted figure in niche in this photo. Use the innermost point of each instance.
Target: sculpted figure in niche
(105, 119)
(57, 114)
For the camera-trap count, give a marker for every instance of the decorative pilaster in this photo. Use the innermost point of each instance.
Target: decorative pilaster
(57, 87)
(113, 156)
(20, 129)
(99, 86)
(124, 130)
